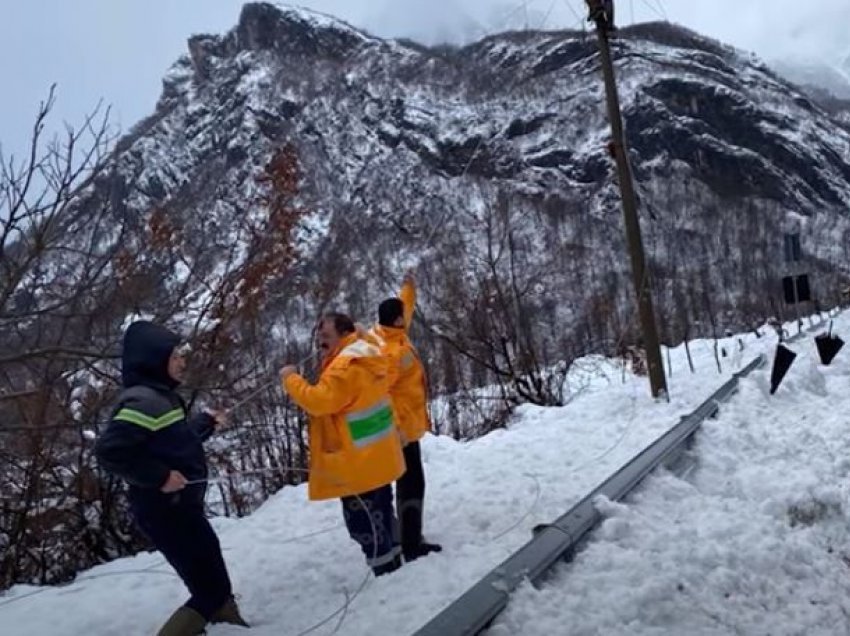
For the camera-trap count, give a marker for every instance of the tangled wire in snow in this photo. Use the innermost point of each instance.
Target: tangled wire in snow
(341, 611)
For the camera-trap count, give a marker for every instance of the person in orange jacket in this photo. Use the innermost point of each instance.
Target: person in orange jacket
(355, 449)
(409, 396)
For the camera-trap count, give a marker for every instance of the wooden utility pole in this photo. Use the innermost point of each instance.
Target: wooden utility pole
(602, 13)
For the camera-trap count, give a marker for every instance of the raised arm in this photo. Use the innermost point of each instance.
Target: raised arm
(408, 297)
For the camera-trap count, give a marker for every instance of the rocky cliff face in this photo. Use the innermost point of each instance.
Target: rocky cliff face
(407, 151)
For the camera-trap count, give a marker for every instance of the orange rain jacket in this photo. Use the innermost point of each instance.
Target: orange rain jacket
(408, 383)
(354, 444)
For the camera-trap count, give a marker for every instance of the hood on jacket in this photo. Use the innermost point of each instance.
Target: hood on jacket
(366, 355)
(146, 351)
(388, 334)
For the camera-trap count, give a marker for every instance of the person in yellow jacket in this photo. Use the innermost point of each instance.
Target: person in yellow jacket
(409, 396)
(355, 449)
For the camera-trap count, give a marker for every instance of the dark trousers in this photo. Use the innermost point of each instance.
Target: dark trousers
(374, 522)
(410, 498)
(188, 542)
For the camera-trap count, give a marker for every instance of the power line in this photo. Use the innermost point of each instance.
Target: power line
(577, 15)
(519, 78)
(503, 22)
(653, 8)
(547, 15)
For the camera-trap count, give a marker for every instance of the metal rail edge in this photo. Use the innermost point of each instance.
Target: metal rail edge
(473, 611)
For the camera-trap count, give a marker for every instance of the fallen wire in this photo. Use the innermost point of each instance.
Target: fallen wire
(84, 430)
(626, 429)
(147, 570)
(341, 612)
(267, 385)
(538, 489)
(524, 516)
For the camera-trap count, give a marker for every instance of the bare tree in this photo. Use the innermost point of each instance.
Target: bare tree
(74, 263)
(491, 309)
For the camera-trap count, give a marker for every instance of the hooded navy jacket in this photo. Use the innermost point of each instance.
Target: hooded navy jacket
(149, 433)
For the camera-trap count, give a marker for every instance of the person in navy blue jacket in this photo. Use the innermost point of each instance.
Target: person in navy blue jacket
(153, 445)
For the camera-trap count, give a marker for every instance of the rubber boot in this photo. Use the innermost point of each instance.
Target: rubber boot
(386, 568)
(183, 622)
(229, 613)
(421, 550)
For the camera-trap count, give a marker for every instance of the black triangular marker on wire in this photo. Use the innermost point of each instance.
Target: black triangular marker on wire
(782, 361)
(828, 346)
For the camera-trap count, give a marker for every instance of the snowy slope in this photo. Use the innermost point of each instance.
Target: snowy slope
(294, 566)
(756, 540)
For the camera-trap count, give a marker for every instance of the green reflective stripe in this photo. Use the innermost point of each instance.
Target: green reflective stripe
(371, 439)
(370, 424)
(148, 422)
(363, 414)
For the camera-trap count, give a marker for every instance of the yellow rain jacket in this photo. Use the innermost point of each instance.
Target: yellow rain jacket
(354, 444)
(408, 383)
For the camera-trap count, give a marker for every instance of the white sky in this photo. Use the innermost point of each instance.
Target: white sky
(118, 50)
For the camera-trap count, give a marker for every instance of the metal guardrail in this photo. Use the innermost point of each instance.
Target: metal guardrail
(475, 609)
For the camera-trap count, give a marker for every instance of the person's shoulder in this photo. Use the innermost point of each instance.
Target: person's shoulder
(147, 401)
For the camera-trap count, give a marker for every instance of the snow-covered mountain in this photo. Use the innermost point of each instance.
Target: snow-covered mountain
(406, 150)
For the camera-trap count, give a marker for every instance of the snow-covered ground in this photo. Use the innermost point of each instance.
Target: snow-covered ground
(295, 568)
(754, 540)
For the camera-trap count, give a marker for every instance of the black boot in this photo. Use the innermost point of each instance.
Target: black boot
(229, 613)
(386, 568)
(423, 549)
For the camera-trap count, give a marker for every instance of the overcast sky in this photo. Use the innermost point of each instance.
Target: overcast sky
(117, 50)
